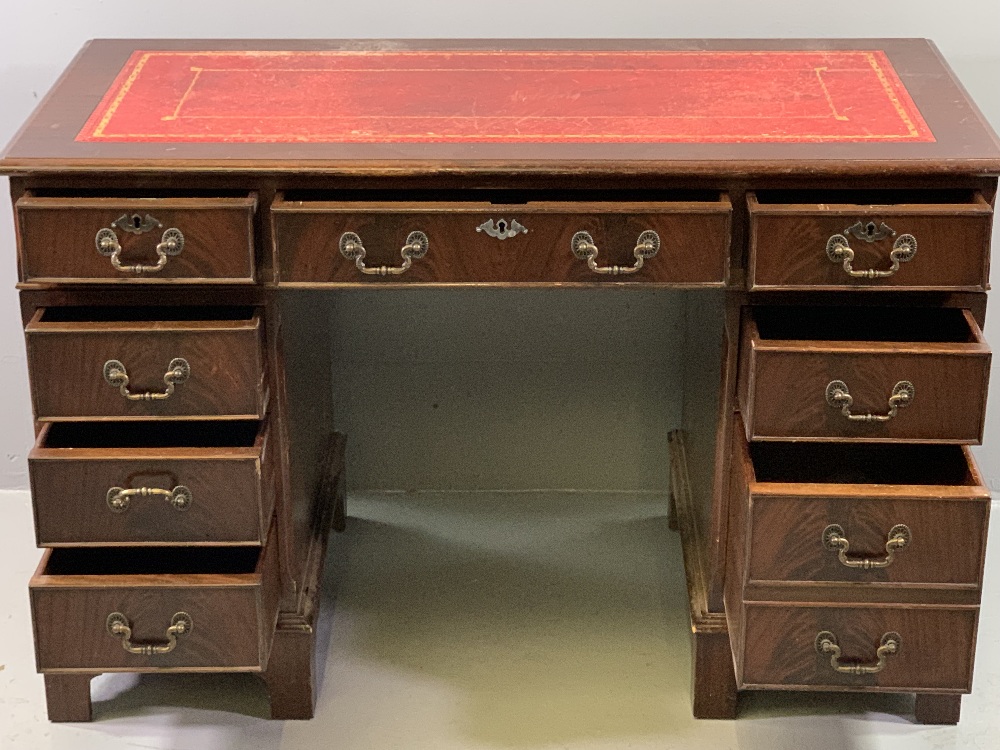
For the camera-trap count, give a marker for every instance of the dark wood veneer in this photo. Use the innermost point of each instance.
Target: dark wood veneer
(69, 356)
(784, 389)
(57, 239)
(694, 237)
(231, 479)
(788, 243)
(786, 517)
(938, 645)
(74, 591)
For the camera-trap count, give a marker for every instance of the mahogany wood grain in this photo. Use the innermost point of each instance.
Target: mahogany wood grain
(229, 474)
(786, 519)
(785, 380)
(56, 239)
(788, 242)
(694, 237)
(67, 358)
(232, 600)
(936, 655)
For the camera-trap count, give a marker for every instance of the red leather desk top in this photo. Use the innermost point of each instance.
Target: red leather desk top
(512, 96)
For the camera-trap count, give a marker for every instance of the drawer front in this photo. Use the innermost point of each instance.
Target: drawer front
(789, 245)
(232, 615)
(204, 240)
(839, 513)
(184, 494)
(920, 540)
(789, 396)
(935, 654)
(691, 241)
(68, 362)
(799, 389)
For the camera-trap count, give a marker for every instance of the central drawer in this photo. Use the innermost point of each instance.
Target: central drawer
(871, 374)
(673, 242)
(139, 363)
(224, 599)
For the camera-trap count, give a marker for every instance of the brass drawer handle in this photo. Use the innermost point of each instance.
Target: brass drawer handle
(898, 538)
(119, 498)
(120, 627)
(838, 248)
(177, 372)
(646, 247)
(839, 397)
(415, 248)
(826, 643)
(171, 243)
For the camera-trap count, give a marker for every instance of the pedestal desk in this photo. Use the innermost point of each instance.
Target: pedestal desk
(826, 207)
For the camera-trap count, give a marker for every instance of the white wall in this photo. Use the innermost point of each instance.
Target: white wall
(37, 39)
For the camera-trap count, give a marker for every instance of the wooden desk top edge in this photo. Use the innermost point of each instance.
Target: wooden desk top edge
(965, 143)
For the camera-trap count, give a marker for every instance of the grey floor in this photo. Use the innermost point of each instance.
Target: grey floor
(467, 621)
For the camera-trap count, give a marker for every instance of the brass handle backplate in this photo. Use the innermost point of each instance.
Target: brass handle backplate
(826, 643)
(119, 499)
(106, 241)
(898, 538)
(838, 248)
(646, 247)
(119, 626)
(839, 397)
(177, 372)
(415, 248)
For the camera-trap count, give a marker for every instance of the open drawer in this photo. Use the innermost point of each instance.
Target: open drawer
(888, 516)
(138, 483)
(104, 609)
(875, 374)
(146, 362)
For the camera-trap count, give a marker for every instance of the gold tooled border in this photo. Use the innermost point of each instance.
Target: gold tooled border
(913, 133)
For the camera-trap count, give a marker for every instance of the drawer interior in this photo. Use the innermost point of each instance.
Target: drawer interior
(872, 198)
(125, 561)
(857, 463)
(149, 314)
(151, 434)
(501, 196)
(133, 194)
(891, 324)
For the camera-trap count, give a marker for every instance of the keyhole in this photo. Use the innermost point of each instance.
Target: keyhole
(502, 225)
(871, 228)
(136, 221)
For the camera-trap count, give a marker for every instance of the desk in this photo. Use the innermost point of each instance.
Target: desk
(825, 207)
